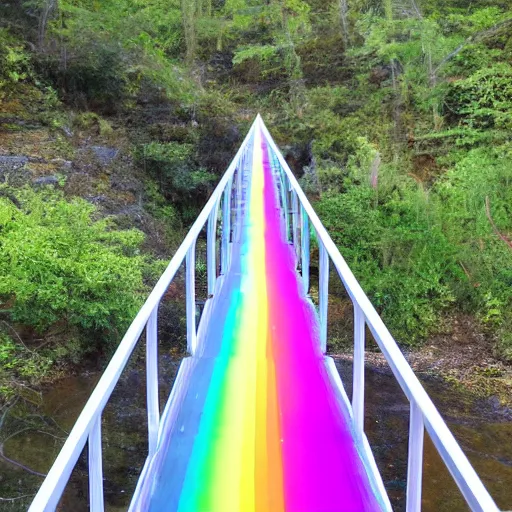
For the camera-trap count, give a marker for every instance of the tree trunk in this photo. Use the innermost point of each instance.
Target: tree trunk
(46, 11)
(293, 67)
(343, 4)
(188, 13)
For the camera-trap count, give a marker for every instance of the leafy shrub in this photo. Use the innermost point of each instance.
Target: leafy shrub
(401, 260)
(60, 264)
(475, 191)
(14, 61)
(175, 168)
(484, 99)
(95, 73)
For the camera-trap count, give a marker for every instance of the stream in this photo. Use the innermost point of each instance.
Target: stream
(32, 435)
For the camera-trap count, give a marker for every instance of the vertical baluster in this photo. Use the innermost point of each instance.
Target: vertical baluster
(95, 468)
(211, 243)
(239, 173)
(231, 221)
(304, 238)
(358, 377)
(285, 206)
(323, 294)
(191, 299)
(289, 200)
(152, 380)
(283, 197)
(295, 225)
(226, 226)
(415, 462)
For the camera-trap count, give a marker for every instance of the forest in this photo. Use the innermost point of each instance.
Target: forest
(117, 117)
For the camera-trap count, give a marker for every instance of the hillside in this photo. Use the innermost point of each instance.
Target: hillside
(117, 118)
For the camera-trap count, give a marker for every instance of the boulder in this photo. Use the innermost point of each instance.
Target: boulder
(44, 181)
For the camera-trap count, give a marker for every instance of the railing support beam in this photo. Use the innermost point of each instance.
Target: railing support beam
(211, 249)
(415, 462)
(295, 226)
(96, 503)
(152, 381)
(191, 299)
(226, 227)
(284, 194)
(304, 239)
(323, 295)
(358, 377)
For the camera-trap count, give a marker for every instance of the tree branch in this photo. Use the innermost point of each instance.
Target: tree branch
(494, 227)
(471, 39)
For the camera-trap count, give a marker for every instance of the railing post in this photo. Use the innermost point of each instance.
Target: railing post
(226, 227)
(211, 249)
(358, 376)
(284, 194)
(323, 294)
(191, 298)
(152, 381)
(96, 503)
(295, 225)
(238, 186)
(415, 461)
(304, 239)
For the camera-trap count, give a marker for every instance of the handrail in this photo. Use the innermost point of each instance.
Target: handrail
(423, 411)
(88, 424)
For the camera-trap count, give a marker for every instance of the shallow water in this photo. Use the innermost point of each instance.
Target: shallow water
(483, 429)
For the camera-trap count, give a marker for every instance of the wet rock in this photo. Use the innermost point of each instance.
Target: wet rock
(45, 181)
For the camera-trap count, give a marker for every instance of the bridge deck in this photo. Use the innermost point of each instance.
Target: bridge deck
(255, 422)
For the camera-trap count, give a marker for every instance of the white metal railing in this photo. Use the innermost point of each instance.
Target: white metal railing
(423, 413)
(88, 425)
(303, 218)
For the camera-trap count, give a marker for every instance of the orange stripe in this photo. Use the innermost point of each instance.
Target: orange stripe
(274, 448)
(261, 440)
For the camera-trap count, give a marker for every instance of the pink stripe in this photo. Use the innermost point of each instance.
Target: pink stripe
(322, 469)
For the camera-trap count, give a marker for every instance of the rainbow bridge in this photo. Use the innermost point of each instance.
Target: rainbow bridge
(258, 419)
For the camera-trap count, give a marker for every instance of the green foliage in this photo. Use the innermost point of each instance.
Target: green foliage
(59, 264)
(15, 65)
(482, 175)
(402, 261)
(484, 99)
(406, 136)
(18, 362)
(175, 168)
(105, 55)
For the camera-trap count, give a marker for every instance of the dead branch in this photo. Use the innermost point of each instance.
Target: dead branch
(20, 465)
(471, 39)
(494, 227)
(9, 326)
(17, 497)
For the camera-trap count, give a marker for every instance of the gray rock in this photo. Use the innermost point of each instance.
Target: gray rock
(104, 154)
(63, 164)
(67, 131)
(11, 163)
(46, 180)
(97, 199)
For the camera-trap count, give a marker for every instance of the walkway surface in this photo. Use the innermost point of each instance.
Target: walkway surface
(257, 424)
